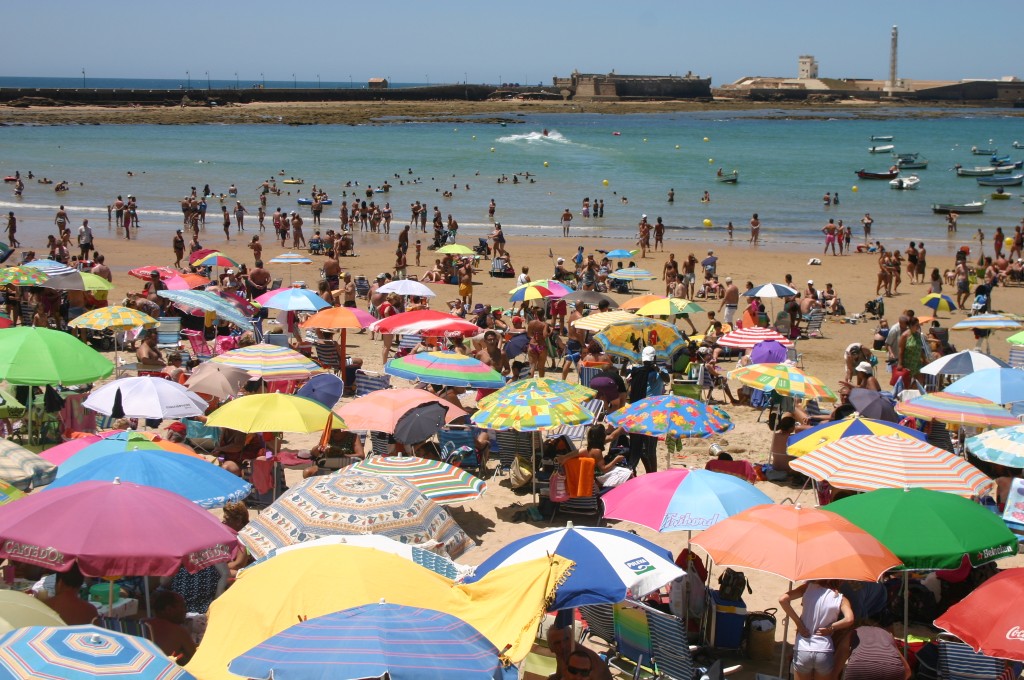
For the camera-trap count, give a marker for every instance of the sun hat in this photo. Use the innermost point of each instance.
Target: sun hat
(864, 367)
(648, 354)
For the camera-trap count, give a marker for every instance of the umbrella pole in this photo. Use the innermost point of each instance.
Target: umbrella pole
(533, 465)
(785, 636)
(145, 589)
(686, 584)
(341, 353)
(906, 611)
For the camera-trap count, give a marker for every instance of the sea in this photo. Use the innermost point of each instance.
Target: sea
(786, 159)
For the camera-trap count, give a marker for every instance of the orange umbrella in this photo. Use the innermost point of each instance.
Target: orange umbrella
(380, 411)
(339, 318)
(195, 280)
(639, 301)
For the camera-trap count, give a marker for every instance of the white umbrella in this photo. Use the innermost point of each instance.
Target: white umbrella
(407, 287)
(146, 397)
(963, 363)
(771, 290)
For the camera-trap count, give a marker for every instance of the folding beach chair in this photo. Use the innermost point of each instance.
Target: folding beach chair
(587, 373)
(957, 661)
(407, 343)
(813, 327)
(125, 626)
(362, 287)
(276, 339)
(327, 355)
(368, 381)
(1016, 359)
(512, 443)
(458, 447)
(168, 333)
(600, 623)
(578, 433)
(380, 443)
(200, 348)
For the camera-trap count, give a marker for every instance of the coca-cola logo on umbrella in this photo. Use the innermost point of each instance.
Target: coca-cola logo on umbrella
(1015, 633)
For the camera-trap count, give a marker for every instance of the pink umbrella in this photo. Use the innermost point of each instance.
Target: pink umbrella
(60, 453)
(113, 529)
(171, 277)
(747, 338)
(426, 322)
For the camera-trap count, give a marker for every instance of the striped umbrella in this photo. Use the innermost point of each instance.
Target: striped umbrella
(291, 258)
(938, 302)
(1004, 446)
(986, 322)
(114, 318)
(669, 307)
(441, 482)
(214, 259)
(632, 274)
(600, 321)
(869, 462)
(22, 468)
(445, 368)
(962, 363)
(530, 411)
(957, 409)
(83, 653)
(826, 433)
(270, 362)
(552, 386)
(9, 492)
(425, 322)
(671, 416)
(747, 338)
(771, 290)
(59, 276)
(204, 300)
(338, 318)
(22, 276)
(538, 290)
(783, 379)
(628, 338)
(1000, 385)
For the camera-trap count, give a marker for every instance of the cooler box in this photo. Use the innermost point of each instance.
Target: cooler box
(728, 618)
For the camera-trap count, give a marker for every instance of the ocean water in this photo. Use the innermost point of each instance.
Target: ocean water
(787, 160)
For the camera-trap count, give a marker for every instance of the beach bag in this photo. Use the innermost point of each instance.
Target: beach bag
(898, 373)
(731, 585)
(521, 473)
(557, 491)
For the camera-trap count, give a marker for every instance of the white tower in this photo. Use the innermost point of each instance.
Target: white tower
(893, 48)
(807, 67)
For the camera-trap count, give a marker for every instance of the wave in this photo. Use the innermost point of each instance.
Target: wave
(78, 208)
(552, 137)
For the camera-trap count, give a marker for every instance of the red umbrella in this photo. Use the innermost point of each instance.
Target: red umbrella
(113, 529)
(989, 618)
(200, 254)
(425, 322)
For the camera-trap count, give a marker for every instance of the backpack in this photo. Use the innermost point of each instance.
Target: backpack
(731, 585)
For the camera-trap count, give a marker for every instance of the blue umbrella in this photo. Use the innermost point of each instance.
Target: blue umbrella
(325, 389)
(1004, 446)
(770, 290)
(295, 300)
(371, 640)
(620, 253)
(208, 302)
(609, 562)
(1001, 385)
(83, 653)
(201, 482)
(768, 352)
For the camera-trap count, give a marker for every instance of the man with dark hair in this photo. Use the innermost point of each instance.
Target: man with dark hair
(67, 601)
(168, 627)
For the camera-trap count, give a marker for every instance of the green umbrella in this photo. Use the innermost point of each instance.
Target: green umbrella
(929, 529)
(40, 356)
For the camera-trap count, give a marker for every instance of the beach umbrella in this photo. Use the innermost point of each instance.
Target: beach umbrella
(455, 249)
(637, 301)
(58, 276)
(993, 322)
(552, 386)
(768, 352)
(290, 258)
(669, 307)
(9, 492)
(293, 300)
(783, 379)
(616, 563)
(170, 276)
(407, 287)
(632, 274)
(145, 397)
(516, 345)
(195, 280)
(206, 301)
(591, 297)
(24, 469)
(938, 302)
(671, 416)
(1004, 446)
(956, 527)
(867, 462)
(73, 454)
(40, 356)
(426, 322)
(999, 385)
(272, 412)
(420, 423)
(380, 411)
(214, 259)
(83, 653)
(441, 482)
(771, 290)
(1016, 339)
(628, 338)
(145, 531)
(21, 610)
(748, 338)
(269, 362)
(22, 276)
(829, 432)
(94, 282)
(114, 318)
(217, 380)
(681, 499)
(962, 363)
(537, 291)
(203, 483)
(370, 641)
(445, 368)
(354, 504)
(325, 389)
(601, 320)
(988, 619)
(530, 411)
(957, 409)
(271, 596)
(338, 318)
(874, 405)
(620, 253)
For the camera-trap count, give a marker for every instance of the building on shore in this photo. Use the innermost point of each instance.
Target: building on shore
(615, 87)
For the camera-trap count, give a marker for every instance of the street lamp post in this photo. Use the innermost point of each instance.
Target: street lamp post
(318, 81)
(351, 83)
(188, 79)
(208, 88)
(236, 80)
(295, 83)
(83, 78)
(263, 80)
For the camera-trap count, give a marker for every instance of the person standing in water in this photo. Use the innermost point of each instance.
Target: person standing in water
(755, 229)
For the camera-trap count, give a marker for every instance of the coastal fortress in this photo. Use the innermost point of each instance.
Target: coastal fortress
(614, 87)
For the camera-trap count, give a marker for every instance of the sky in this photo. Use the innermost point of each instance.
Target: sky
(525, 41)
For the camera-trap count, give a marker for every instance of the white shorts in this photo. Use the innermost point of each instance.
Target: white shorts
(730, 313)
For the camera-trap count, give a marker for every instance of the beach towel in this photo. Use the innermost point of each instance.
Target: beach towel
(579, 476)
(263, 473)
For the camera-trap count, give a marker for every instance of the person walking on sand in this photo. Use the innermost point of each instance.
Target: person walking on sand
(566, 219)
(12, 229)
(240, 212)
(297, 231)
(61, 220)
(659, 234)
(227, 222)
(830, 236)
(178, 244)
(755, 229)
(643, 236)
(84, 240)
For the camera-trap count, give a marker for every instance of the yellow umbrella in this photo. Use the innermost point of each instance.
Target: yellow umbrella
(273, 412)
(455, 249)
(20, 610)
(505, 605)
(669, 307)
(598, 322)
(557, 388)
(114, 318)
(783, 379)
(95, 282)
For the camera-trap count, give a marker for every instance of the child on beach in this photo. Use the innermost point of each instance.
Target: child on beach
(256, 247)
(227, 222)
(418, 246)
(260, 215)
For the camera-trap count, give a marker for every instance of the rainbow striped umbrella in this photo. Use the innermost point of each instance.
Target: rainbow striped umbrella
(627, 338)
(445, 368)
(441, 482)
(552, 386)
(957, 409)
(807, 441)
(537, 290)
(115, 318)
(530, 411)
(1004, 446)
(986, 322)
(214, 259)
(291, 258)
(671, 416)
(270, 362)
(871, 462)
(83, 653)
(601, 320)
(783, 379)
(9, 493)
(747, 338)
(22, 276)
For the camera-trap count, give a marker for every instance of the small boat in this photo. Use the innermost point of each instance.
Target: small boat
(975, 172)
(309, 201)
(1018, 145)
(1000, 195)
(972, 207)
(983, 152)
(292, 181)
(1009, 166)
(999, 160)
(881, 138)
(916, 164)
(616, 134)
(905, 183)
(729, 177)
(881, 148)
(1011, 181)
(864, 174)
(10, 178)
(906, 156)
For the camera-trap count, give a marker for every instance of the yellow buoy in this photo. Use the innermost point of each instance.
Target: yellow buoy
(604, 182)
(677, 146)
(1008, 242)
(545, 164)
(854, 188)
(706, 139)
(492, 149)
(711, 160)
(474, 136)
(707, 222)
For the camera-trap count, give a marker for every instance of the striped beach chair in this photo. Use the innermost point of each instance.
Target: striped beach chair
(957, 661)
(368, 381)
(578, 433)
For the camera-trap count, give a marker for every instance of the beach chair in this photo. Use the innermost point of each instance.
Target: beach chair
(380, 443)
(512, 443)
(813, 327)
(578, 433)
(600, 620)
(201, 436)
(581, 505)
(28, 312)
(957, 661)
(276, 339)
(368, 381)
(362, 287)
(407, 343)
(1016, 359)
(124, 626)
(650, 642)
(458, 447)
(327, 355)
(198, 345)
(168, 333)
(794, 357)
(275, 284)
(585, 374)
(938, 435)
